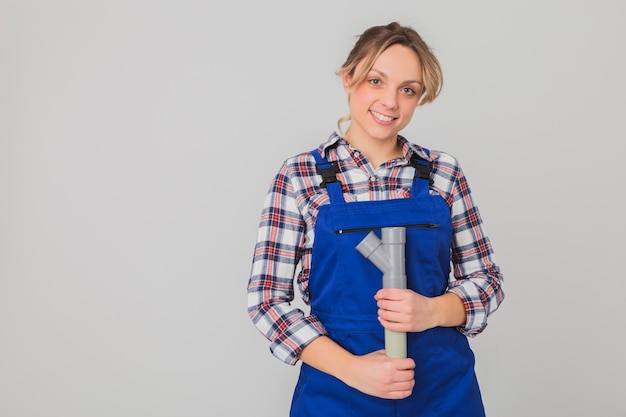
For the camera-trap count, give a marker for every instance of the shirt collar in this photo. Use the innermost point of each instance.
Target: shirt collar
(408, 148)
(333, 141)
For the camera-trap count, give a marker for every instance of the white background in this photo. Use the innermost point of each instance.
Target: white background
(138, 139)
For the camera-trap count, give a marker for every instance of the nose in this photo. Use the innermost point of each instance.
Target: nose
(389, 99)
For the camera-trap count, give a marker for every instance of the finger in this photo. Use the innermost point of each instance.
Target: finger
(389, 315)
(394, 327)
(394, 315)
(403, 388)
(405, 381)
(394, 306)
(390, 294)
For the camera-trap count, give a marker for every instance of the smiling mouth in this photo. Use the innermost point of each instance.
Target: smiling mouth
(382, 117)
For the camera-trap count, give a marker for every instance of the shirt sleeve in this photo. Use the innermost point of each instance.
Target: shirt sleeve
(278, 251)
(477, 279)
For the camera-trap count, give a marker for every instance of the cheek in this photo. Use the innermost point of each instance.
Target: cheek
(358, 99)
(407, 114)
(409, 107)
(357, 94)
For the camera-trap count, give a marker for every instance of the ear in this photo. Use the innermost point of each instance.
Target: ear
(346, 78)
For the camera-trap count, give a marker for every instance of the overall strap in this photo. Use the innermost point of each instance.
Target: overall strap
(421, 179)
(328, 171)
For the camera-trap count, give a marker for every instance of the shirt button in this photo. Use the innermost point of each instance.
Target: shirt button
(373, 178)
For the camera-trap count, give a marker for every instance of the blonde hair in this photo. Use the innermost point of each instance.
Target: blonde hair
(375, 40)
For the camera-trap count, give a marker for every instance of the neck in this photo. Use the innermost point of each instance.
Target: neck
(377, 152)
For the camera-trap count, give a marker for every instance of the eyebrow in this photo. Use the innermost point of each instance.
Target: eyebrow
(404, 82)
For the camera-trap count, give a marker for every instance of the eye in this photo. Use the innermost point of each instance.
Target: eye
(408, 91)
(375, 81)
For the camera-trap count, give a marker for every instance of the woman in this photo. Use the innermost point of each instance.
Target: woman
(321, 205)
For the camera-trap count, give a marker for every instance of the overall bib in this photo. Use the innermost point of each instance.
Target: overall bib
(342, 285)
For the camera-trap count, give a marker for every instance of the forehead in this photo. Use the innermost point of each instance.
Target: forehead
(399, 61)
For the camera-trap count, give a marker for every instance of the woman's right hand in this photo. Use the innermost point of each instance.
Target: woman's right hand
(374, 373)
(378, 375)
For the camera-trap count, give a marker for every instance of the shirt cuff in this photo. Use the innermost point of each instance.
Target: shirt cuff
(292, 341)
(476, 314)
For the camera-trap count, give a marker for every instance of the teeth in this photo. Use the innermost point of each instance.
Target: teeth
(382, 117)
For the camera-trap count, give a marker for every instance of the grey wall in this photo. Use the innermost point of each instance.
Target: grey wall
(138, 138)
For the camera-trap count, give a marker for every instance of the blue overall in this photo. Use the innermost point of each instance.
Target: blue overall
(342, 285)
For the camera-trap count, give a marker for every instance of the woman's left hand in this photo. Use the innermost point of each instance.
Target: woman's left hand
(405, 310)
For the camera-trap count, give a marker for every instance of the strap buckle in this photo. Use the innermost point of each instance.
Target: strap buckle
(423, 168)
(328, 171)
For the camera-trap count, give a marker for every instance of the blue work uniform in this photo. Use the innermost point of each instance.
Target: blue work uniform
(342, 285)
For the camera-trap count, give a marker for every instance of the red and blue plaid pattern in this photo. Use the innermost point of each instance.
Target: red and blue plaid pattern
(286, 233)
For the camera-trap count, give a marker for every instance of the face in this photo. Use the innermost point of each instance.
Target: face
(384, 102)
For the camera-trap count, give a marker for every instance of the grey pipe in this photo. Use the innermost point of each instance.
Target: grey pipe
(387, 254)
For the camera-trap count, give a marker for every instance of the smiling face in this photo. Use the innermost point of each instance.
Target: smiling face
(383, 103)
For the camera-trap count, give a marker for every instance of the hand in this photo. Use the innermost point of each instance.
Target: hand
(378, 375)
(405, 310)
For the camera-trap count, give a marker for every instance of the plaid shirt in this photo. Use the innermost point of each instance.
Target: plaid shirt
(286, 233)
